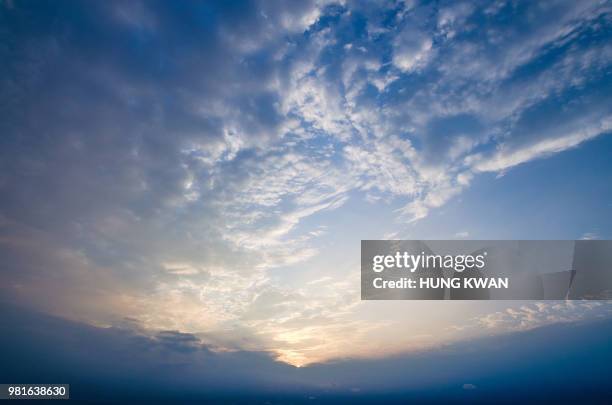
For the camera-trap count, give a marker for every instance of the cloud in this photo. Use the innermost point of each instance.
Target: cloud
(543, 313)
(175, 365)
(505, 159)
(412, 50)
(589, 236)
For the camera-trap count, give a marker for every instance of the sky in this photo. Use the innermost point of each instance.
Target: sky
(207, 169)
(561, 363)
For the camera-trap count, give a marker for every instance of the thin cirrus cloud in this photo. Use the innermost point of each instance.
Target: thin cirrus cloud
(164, 161)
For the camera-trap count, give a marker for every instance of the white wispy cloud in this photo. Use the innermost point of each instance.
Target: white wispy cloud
(504, 159)
(543, 313)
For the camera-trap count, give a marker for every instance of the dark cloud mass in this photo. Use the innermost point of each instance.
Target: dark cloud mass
(115, 363)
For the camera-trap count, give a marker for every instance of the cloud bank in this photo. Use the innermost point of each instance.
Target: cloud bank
(125, 364)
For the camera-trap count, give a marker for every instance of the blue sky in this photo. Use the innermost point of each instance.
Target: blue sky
(210, 167)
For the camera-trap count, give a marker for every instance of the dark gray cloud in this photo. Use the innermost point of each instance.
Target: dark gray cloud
(562, 362)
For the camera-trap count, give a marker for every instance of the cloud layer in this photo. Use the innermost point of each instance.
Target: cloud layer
(126, 364)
